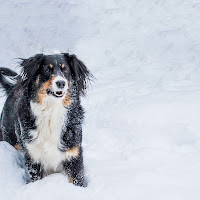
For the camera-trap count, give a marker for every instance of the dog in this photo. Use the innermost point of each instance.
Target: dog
(42, 116)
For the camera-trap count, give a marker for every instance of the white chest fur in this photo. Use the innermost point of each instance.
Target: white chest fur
(50, 118)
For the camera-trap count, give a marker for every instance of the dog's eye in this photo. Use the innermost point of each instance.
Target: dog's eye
(63, 67)
(48, 68)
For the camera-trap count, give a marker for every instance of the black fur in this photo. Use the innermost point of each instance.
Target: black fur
(5, 83)
(17, 119)
(79, 71)
(74, 166)
(30, 67)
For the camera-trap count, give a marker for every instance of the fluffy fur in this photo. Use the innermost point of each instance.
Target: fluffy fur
(42, 116)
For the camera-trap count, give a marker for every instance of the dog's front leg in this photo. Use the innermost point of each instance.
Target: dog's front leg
(34, 169)
(74, 168)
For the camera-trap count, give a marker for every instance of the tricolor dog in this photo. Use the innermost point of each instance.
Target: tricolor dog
(42, 116)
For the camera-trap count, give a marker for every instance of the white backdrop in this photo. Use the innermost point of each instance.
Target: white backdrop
(141, 132)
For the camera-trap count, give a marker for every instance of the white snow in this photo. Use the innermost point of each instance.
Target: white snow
(142, 127)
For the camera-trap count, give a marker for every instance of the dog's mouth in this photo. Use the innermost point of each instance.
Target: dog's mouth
(55, 93)
(58, 93)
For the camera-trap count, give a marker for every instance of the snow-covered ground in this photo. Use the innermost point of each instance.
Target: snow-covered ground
(142, 127)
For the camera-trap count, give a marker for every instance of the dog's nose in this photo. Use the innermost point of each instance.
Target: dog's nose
(60, 84)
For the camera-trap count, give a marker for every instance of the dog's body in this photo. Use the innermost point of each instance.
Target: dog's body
(43, 116)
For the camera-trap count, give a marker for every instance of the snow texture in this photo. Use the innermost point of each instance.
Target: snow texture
(141, 135)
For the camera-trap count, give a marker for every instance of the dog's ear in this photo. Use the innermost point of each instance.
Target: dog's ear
(30, 67)
(80, 74)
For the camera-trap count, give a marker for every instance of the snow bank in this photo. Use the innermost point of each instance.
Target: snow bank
(141, 133)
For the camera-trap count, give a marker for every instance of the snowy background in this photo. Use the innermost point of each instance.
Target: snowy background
(142, 127)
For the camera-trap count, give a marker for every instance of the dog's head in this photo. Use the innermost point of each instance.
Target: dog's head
(53, 75)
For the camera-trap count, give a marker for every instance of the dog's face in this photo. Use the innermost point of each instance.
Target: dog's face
(53, 75)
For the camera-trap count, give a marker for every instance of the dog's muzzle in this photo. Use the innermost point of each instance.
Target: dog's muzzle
(59, 86)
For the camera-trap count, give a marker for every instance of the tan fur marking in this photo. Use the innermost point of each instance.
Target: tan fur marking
(74, 151)
(66, 100)
(42, 91)
(63, 66)
(51, 66)
(38, 79)
(17, 147)
(70, 179)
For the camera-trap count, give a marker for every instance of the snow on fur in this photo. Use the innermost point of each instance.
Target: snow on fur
(141, 133)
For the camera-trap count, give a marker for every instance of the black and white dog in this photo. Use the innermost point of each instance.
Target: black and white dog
(42, 116)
